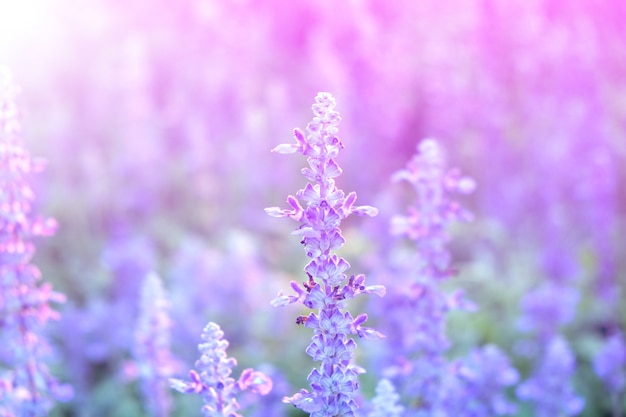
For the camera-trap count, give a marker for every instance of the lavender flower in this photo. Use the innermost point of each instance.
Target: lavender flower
(610, 366)
(26, 386)
(334, 384)
(212, 379)
(547, 308)
(428, 221)
(610, 363)
(474, 386)
(152, 354)
(386, 401)
(417, 309)
(549, 388)
(128, 257)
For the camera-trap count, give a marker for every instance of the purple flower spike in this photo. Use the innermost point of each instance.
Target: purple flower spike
(319, 208)
(610, 363)
(417, 311)
(427, 224)
(212, 379)
(550, 389)
(26, 386)
(152, 347)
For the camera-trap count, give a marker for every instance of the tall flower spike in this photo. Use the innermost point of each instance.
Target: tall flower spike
(152, 347)
(26, 386)
(212, 379)
(427, 224)
(319, 208)
(417, 309)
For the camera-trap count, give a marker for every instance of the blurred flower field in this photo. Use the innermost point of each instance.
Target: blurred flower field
(485, 142)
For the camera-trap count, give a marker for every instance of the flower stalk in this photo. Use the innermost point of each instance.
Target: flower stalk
(319, 209)
(26, 386)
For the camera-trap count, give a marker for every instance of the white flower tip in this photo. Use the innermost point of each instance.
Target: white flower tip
(178, 385)
(274, 211)
(379, 290)
(285, 148)
(281, 301)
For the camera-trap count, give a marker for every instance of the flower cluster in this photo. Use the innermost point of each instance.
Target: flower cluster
(26, 386)
(475, 385)
(610, 363)
(153, 129)
(386, 401)
(428, 221)
(541, 315)
(548, 388)
(418, 307)
(212, 379)
(327, 287)
(152, 355)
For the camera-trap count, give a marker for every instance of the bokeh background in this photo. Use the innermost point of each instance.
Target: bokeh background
(157, 119)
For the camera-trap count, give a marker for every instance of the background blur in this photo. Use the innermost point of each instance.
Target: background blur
(157, 119)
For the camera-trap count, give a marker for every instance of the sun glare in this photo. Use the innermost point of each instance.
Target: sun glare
(24, 23)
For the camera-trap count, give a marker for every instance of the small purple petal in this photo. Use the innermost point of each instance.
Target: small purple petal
(304, 400)
(332, 169)
(256, 381)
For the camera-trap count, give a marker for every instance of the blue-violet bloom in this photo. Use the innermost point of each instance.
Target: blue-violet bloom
(26, 386)
(319, 208)
(610, 363)
(212, 379)
(386, 401)
(153, 359)
(549, 388)
(475, 386)
(416, 309)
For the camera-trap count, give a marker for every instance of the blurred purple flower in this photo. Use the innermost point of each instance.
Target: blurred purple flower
(550, 388)
(197, 264)
(334, 384)
(127, 256)
(417, 308)
(386, 401)
(26, 386)
(475, 386)
(212, 379)
(153, 361)
(547, 308)
(87, 332)
(427, 222)
(269, 404)
(610, 363)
